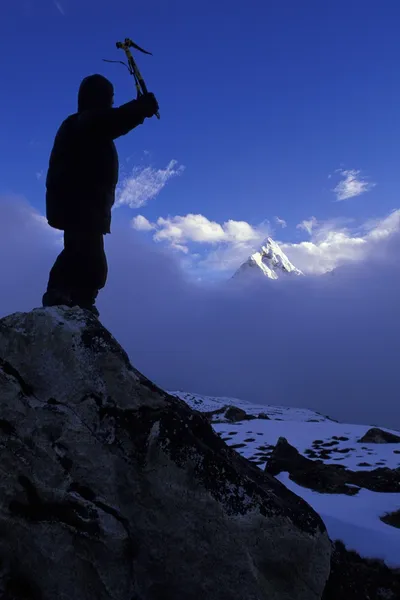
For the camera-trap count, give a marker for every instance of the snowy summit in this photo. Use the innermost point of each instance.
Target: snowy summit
(269, 261)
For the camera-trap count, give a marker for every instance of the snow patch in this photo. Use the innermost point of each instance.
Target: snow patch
(355, 520)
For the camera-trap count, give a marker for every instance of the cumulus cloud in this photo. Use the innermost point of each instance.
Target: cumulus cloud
(333, 243)
(281, 222)
(221, 248)
(231, 240)
(329, 342)
(140, 223)
(145, 183)
(352, 185)
(197, 228)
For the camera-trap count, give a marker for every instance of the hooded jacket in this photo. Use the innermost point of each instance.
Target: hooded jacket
(83, 167)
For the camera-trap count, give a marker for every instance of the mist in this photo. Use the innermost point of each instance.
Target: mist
(329, 343)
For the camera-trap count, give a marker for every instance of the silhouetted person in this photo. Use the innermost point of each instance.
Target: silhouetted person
(80, 184)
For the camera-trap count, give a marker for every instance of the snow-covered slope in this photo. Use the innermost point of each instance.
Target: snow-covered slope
(278, 413)
(353, 519)
(269, 261)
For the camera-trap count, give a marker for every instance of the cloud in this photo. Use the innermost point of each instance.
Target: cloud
(218, 249)
(145, 183)
(215, 250)
(223, 261)
(224, 246)
(197, 228)
(311, 342)
(333, 243)
(59, 7)
(308, 225)
(280, 222)
(352, 185)
(140, 223)
(330, 343)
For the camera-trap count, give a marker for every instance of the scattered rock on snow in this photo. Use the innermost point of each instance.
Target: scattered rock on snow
(329, 479)
(311, 453)
(235, 414)
(329, 444)
(308, 473)
(213, 413)
(264, 416)
(112, 489)
(379, 436)
(228, 414)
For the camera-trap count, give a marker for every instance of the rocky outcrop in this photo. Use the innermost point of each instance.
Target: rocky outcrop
(234, 414)
(229, 414)
(329, 479)
(112, 489)
(263, 415)
(355, 578)
(392, 519)
(379, 436)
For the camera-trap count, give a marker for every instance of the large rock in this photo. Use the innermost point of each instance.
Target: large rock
(392, 519)
(379, 436)
(111, 489)
(329, 479)
(234, 415)
(228, 414)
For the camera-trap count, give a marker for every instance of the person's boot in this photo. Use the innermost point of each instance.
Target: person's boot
(86, 300)
(56, 298)
(93, 309)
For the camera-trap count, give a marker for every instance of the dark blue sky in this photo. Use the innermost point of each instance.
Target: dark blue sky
(260, 101)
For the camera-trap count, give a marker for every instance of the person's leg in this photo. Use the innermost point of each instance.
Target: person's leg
(58, 285)
(91, 269)
(79, 272)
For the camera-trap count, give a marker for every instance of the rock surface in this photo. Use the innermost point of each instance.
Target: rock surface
(232, 414)
(112, 489)
(379, 436)
(235, 414)
(392, 519)
(329, 479)
(356, 578)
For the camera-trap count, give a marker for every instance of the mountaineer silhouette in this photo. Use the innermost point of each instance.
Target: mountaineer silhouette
(80, 189)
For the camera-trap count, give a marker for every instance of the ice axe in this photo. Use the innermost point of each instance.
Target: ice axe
(132, 66)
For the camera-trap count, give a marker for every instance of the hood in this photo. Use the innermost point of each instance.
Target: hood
(95, 92)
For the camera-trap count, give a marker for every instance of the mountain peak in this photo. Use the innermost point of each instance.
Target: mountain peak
(270, 261)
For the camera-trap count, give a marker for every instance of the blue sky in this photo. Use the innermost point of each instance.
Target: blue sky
(260, 102)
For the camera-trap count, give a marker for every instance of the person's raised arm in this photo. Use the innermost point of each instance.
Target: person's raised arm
(114, 122)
